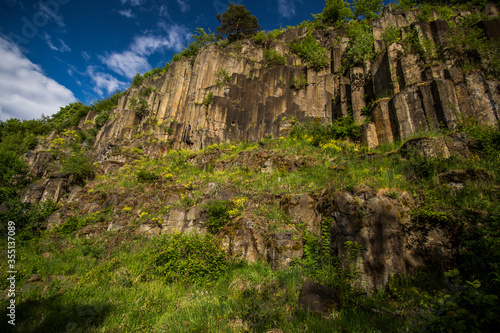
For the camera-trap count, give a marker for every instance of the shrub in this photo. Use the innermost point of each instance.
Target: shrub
(30, 219)
(145, 176)
(139, 106)
(323, 133)
(218, 215)
(273, 58)
(69, 115)
(208, 99)
(223, 77)
(367, 8)
(79, 166)
(189, 258)
(146, 91)
(335, 12)
(101, 119)
(137, 80)
(391, 35)
(360, 48)
(260, 37)
(311, 51)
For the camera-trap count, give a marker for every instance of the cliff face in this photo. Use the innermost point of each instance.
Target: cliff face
(408, 93)
(229, 94)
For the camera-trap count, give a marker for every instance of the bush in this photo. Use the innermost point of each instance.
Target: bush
(191, 258)
(260, 37)
(79, 166)
(69, 116)
(101, 119)
(218, 215)
(311, 51)
(139, 106)
(335, 12)
(29, 219)
(208, 99)
(138, 80)
(360, 48)
(145, 176)
(223, 77)
(273, 58)
(146, 91)
(367, 8)
(322, 133)
(391, 35)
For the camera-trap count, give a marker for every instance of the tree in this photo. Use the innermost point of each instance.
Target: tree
(237, 22)
(335, 11)
(368, 8)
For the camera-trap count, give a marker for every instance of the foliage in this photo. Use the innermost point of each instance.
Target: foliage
(145, 92)
(260, 37)
(218, 215)
(318, 133)
(223, 77)
(360, 49)
(108, 103)
(189, 258)
(200, 39)
(237, 23)
(391, 35)
(145, 176)
(69, 116)
(29, 219)
(367, 8)
(101, 119)
(335, 12)
(311, 51)
(300, 82)
(75, 223)
(79, 166)
(139, 106)
(469, 44)
(137, 80)
(405, 4)
(273, 58)
(208, 99)
(464, 307)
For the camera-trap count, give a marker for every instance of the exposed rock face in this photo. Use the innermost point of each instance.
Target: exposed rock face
(376, 223)
(253, 104)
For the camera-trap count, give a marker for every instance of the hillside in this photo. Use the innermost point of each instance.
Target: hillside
(311, 179)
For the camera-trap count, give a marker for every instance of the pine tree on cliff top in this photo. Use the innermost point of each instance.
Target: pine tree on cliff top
(237, 22)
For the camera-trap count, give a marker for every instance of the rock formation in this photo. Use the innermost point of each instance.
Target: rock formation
(408, 94)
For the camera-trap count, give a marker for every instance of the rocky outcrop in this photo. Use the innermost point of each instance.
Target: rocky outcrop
(409, 95)
(376, 223)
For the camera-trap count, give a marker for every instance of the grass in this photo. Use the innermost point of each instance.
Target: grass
(109, 282)
(110, 292)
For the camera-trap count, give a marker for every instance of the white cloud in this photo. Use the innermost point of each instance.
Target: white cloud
(286, 8)
(85, 55)
(126, 63)
(132, 2)
(184, 5)
(62, 48)
(134, 59)
(127, 13)
(104, 82)
(25, 91)
(163, 12)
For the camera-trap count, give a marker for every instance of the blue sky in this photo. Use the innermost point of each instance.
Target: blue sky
(53, 52)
